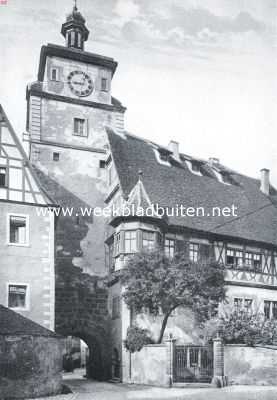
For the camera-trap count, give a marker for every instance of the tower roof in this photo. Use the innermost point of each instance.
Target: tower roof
(75, 20)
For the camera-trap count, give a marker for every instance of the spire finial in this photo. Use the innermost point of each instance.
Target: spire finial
(75, 5)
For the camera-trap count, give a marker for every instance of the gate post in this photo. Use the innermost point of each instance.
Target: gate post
(170, 347)
(219, 380)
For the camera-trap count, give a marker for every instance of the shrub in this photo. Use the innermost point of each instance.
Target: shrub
(136, 338)
(251, 329)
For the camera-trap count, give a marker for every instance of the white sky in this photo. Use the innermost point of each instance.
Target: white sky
(202, 72)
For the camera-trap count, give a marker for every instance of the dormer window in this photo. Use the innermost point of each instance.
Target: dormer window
(162, 156)
(194, 167)
(222, 176)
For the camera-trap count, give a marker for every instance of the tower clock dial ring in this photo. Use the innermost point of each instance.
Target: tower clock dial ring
(80, 83)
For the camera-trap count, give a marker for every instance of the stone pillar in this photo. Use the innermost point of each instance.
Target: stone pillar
(170, 346)
(219, 380)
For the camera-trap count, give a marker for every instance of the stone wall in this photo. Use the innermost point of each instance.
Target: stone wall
(245, 365)
(149, 366)
(30, 366)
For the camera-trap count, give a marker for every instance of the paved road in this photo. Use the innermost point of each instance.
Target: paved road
(88, 390)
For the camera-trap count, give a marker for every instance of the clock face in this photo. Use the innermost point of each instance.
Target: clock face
(80, 83)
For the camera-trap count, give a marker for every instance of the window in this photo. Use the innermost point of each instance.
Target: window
(195, 167)
(54, 74)
(102, 164)
(104, 84)
(17, 296)
(72, 38)
(270, 309)
(130, 241)
(79, 37)
(148, 240)
(56, 156)
(18, 230)
(234, 258)
(116, 307)
(169, 247)
(3, 176)
(111, 256)
(253, 261)
(80, 127)
(117, 243)
(242, 304)
(193, 252)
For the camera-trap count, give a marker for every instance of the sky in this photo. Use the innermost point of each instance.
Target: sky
(200, 72)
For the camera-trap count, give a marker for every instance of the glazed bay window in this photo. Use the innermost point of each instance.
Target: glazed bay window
(117, 244)
(130, 241)
(169, 247)
(17, 296)
(194, 252)
(80, 128)
(3, 177)
(148, 240)
(234, 258)
(270, 309)
(18, 230)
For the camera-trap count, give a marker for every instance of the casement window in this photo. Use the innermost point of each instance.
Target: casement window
(17, 296)
(117, 243)
(116, 307)
(169, 247)
(148, 240)
(111, 257)
(234, 258)
(130, 241)
(243, 304)
(253, 261)
(194, 252)
(18, 230)
(104, 84)
(270, 309)
(80, 127)
(195, 167)
(54, 74)
(3, 177)
(56, 156)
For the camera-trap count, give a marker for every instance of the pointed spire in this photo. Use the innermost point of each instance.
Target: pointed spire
(74, 29)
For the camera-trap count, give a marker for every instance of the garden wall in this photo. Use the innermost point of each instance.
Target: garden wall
(150, 366)
(246, 365)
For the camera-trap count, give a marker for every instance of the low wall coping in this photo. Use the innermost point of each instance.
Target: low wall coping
(264, 346)
(155, 345)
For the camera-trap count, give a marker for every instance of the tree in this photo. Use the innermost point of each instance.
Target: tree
(157, 284)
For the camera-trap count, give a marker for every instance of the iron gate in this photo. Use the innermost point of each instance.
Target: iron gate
(193, 364)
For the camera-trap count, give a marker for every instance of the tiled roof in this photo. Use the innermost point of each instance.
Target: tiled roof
(175, 184)
(12, 323)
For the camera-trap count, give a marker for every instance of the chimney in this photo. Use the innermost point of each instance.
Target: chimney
(174, 147)
(265, 181)
(213, 161)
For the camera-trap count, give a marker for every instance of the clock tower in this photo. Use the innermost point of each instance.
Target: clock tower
(69, 108)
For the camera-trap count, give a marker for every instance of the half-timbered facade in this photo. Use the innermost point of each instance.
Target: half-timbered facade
(27, 279)
(227, 217)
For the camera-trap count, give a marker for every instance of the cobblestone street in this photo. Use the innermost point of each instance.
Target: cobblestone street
(89, 390)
